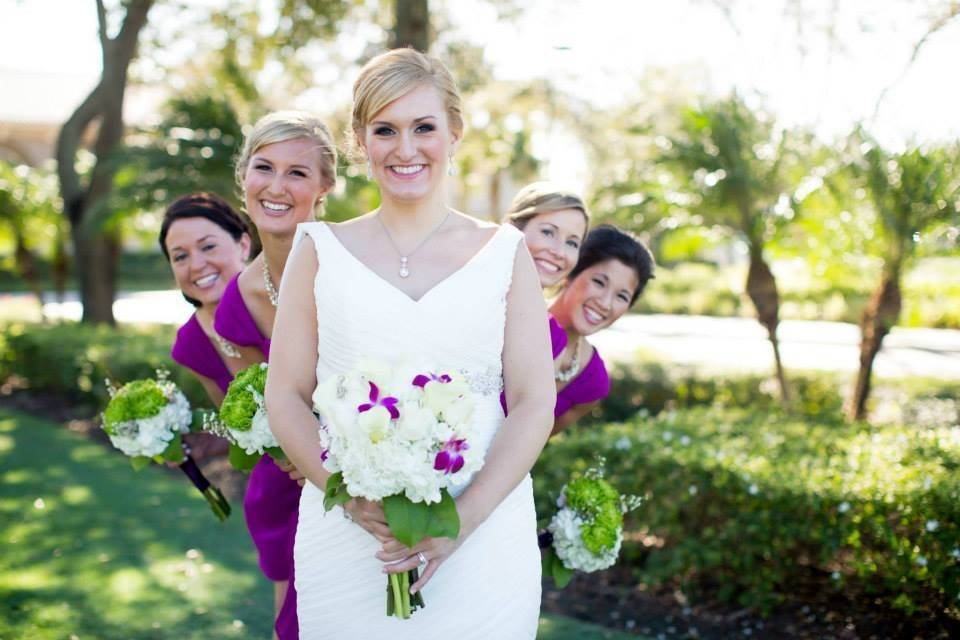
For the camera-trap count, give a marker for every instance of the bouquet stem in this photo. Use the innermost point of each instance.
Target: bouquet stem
(218, 503)
(400, 602)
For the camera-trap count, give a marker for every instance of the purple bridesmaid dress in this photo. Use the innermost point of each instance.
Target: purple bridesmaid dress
(192, 349)
(590, 385)
(272, 500)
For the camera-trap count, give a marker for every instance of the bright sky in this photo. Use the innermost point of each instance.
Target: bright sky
(598, 49)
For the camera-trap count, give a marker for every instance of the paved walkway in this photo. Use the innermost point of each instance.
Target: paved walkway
(714, 343)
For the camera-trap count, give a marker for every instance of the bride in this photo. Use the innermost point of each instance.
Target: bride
(416, 281)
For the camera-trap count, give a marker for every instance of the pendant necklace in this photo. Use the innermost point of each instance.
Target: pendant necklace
(405, 259)
(566, 375)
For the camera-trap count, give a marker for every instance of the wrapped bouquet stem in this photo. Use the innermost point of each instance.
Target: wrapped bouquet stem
(146, 419)
(402, 436)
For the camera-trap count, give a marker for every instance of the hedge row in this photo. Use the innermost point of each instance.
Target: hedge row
(749, 504)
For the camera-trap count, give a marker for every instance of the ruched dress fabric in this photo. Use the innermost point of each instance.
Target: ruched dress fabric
(271, 500)
(490, 586)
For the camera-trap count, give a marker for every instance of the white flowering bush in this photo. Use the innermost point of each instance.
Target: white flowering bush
(404, 436)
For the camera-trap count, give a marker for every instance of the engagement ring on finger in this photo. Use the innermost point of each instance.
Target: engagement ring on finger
(422, 558)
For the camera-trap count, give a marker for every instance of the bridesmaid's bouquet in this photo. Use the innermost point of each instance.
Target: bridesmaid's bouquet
(146, 419)
(243, 419)
(587, 531)
(403, 437)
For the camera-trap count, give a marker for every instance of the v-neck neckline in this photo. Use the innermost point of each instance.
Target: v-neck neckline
(397, 289)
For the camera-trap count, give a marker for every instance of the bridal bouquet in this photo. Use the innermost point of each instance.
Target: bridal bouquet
(145, 419)
(587, 531)
(243, 419)
(401, 436)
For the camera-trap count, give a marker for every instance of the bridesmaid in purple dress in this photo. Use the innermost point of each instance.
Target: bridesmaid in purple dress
(612, 271)
(286, 167)
(207, 244)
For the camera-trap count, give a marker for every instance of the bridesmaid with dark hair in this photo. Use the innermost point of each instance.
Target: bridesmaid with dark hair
(613, 269)
(207, 244)
(285, 168)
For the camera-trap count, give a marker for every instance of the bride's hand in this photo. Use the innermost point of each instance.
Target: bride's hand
(369, 515)
(399, 557)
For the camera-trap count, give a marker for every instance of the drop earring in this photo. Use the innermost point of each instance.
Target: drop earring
(369, 171)
(451, 170)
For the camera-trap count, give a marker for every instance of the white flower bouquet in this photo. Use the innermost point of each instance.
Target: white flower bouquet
(146, 419)
(242, 419)
(401, 436)
(586, 533)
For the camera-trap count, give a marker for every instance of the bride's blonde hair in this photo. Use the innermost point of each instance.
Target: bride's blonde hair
(394, 74)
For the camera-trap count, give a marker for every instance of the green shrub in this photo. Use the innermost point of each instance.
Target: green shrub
(648, 388)
(73, 360)
(749, 504)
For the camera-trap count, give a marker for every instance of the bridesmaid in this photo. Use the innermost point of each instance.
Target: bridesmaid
(613, 269)
(286, 167)
(554, 222)
(207, 244)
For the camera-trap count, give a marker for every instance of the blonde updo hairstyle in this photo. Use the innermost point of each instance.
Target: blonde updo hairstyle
(394, 74)
(281, 126)
(543, 197)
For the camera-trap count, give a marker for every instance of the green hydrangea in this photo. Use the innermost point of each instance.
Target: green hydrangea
(240, 405)
(135, 400)
(598, 503)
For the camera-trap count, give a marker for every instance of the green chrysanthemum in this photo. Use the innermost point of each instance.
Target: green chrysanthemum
(598, 503)
(240, 405)
(135, 400)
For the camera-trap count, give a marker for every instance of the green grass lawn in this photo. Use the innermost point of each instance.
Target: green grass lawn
(90, 549)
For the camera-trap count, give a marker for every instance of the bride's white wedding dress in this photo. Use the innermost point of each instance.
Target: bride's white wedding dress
(490, 587)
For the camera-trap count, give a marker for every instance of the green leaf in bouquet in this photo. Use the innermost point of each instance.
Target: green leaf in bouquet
(240, 459)
(174, 450)
(411, 522)
(336, 492)
(139, 462)
(276, 453)
(554, 567)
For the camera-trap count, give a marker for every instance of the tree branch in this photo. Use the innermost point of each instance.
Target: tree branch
(102, 24)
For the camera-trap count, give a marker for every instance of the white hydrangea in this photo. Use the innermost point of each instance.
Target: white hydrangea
(151, 436)
(566, 528)
(394, 444)
(259, 437)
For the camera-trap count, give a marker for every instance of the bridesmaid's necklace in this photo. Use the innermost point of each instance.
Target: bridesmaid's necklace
(566, 375)
(226, 348)
(405, 259)
(272, 293)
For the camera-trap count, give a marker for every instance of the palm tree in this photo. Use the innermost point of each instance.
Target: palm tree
(910, 192)
(742, 172)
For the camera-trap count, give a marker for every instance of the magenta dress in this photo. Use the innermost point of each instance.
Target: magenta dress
(590, 385)
(192, 349)
(272, 500)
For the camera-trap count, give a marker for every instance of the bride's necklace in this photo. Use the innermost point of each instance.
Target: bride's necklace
(272, 292)
(405, 258)
(566, 375)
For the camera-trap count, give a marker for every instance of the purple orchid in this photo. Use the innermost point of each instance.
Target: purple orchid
(449, 459)
(422, 379)
(389, 402)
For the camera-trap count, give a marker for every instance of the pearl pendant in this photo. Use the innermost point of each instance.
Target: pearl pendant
(404, 272)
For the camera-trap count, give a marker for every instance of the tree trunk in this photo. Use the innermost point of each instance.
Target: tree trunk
(412, 26)
(762, 289)
(878, 318)
(94, 252)
(98, 252)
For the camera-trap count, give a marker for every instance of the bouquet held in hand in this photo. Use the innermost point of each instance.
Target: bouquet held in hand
(145, 419)
(243, 419)
(403, 436)
(586, 533)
